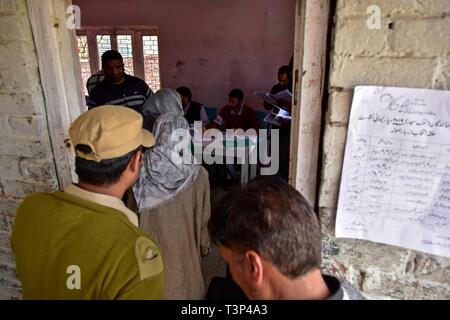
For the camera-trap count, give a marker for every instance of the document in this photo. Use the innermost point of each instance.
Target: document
(284, 95)
(395, 185)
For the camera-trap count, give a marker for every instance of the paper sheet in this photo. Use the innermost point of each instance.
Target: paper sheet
(285, 95)
(395, 186)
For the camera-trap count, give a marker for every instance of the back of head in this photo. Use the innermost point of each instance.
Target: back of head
(272, 218)
(168, 127)
(185, 92)
(162, 101)
(236, 93)
(111, 55)
(105, 139)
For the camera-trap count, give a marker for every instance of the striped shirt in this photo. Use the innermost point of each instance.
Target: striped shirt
(131, 93)
(94, 81)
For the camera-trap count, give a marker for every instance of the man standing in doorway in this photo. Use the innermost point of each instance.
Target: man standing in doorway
(118, 88)
(284, 83)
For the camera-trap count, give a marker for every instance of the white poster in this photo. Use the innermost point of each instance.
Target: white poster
(395, 186)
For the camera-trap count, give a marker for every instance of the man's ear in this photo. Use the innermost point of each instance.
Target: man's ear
(254, 266)
(135, 162)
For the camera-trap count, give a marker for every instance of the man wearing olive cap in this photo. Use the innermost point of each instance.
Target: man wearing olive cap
(83, 243)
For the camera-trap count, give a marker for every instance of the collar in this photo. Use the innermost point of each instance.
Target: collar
(240, 111)
(187, 108)
(104, 200)
(334, 285)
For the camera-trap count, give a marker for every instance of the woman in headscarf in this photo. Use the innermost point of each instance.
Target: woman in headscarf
(172, 196)
(162, 101)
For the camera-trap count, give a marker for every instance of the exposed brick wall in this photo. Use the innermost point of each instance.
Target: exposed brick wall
(26, 159)
(412, 49)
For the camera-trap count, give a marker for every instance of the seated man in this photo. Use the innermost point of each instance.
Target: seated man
(270, 237)
(236, 115)
(83, 242)
(193, 111)
(118, 88)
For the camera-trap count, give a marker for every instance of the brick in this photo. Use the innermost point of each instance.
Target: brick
(348, 72)
(334, 144)
(25, 79)
(31, 169)
(6, 223)
(377, 281)
(26, 103)
(339, 107)
(24, 188)
(9, 168)
(10, 290)
(27, 126)
(16, 54)
(7, 256)
(8, 273)
(38, 170)
(8, 7)
(8, 206)
(441, 77)
(412, 37)
(328, 220)
(5, 240)
(363, 41)
(4, 127)
(24, 148)
(404, 8)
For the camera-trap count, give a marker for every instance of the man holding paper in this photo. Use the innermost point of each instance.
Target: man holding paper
(279, 101)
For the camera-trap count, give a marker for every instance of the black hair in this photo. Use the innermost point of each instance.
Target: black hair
(284, 70)
(236, 93)
(185, 92)
(272, 218)
(103, 173)
(111, 55)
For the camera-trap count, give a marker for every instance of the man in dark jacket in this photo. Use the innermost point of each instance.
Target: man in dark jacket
(118, 88)
(193, 111)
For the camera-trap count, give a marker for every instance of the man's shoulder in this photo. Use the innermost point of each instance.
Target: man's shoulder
(226, 109)
(350, 292)
(136, 81)
(196, 104)
(341, 289)
(248, 109)
(37, 198)
(99, 89)
(67, 207)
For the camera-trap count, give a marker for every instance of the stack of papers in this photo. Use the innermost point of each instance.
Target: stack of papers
(285, 95)
(279, 114)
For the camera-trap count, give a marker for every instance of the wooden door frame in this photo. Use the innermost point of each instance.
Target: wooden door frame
(59, 67)
(310, 58)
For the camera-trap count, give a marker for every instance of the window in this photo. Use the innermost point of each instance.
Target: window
(137, 45)
(125, 47)
(83, 54)
(103, 45)
(151, 61)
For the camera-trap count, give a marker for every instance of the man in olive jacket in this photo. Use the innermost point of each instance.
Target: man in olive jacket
(83, 243)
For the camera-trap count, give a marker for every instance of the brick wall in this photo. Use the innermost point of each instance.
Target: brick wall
(26, 159)
(412, 49)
